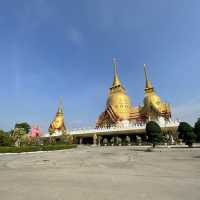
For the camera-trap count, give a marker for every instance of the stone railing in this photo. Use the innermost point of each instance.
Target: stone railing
(121, 127)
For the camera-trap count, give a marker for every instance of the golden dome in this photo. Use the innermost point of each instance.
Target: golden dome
(120, 104)
(151, 99)
(118, 100)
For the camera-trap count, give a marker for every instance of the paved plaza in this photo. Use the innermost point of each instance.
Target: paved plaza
(101, 173)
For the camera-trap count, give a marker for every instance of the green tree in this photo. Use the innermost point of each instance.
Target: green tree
(154, 133)
(197, 129)
(17, 135)
(23, 125)
(5, 139)
(186, 133)
(66, 138)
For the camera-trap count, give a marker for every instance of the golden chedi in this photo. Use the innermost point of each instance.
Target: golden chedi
(118, 100)
(118, 106)
(153, 106)
(58, 125)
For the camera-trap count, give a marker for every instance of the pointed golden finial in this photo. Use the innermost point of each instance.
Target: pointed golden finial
(145, 73)
(148, 82)
(60, 110)
(116, 80)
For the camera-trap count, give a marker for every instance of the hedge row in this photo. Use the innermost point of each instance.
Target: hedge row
(35, 148)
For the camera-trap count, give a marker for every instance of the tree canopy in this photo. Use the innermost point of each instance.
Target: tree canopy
(5, 139)
(186, 133)
(154, 133)
(197, 129)
(23, 125)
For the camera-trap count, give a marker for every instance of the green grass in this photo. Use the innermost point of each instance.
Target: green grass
(35, 148)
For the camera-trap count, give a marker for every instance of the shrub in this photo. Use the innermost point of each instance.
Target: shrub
(66, 139)
(154, 133)
(186, 133)
(5, 139)
(35, 148)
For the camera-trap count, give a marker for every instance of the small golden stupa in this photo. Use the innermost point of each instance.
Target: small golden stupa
(58, 125)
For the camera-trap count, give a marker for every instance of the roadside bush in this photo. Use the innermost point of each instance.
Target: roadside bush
(66, 139)
(35, 148)
(5, 139)
(30, 141)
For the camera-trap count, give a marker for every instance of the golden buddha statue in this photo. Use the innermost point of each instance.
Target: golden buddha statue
(118, 106)
(153, 106)
(58, 125)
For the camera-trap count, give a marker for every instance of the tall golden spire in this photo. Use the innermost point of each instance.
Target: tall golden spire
(118, 103)
(153, 106)
(145, 73)
(116, 81)
(60, 110)
(148, 84)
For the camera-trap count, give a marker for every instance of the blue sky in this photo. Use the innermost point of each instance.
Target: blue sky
(65, 48)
